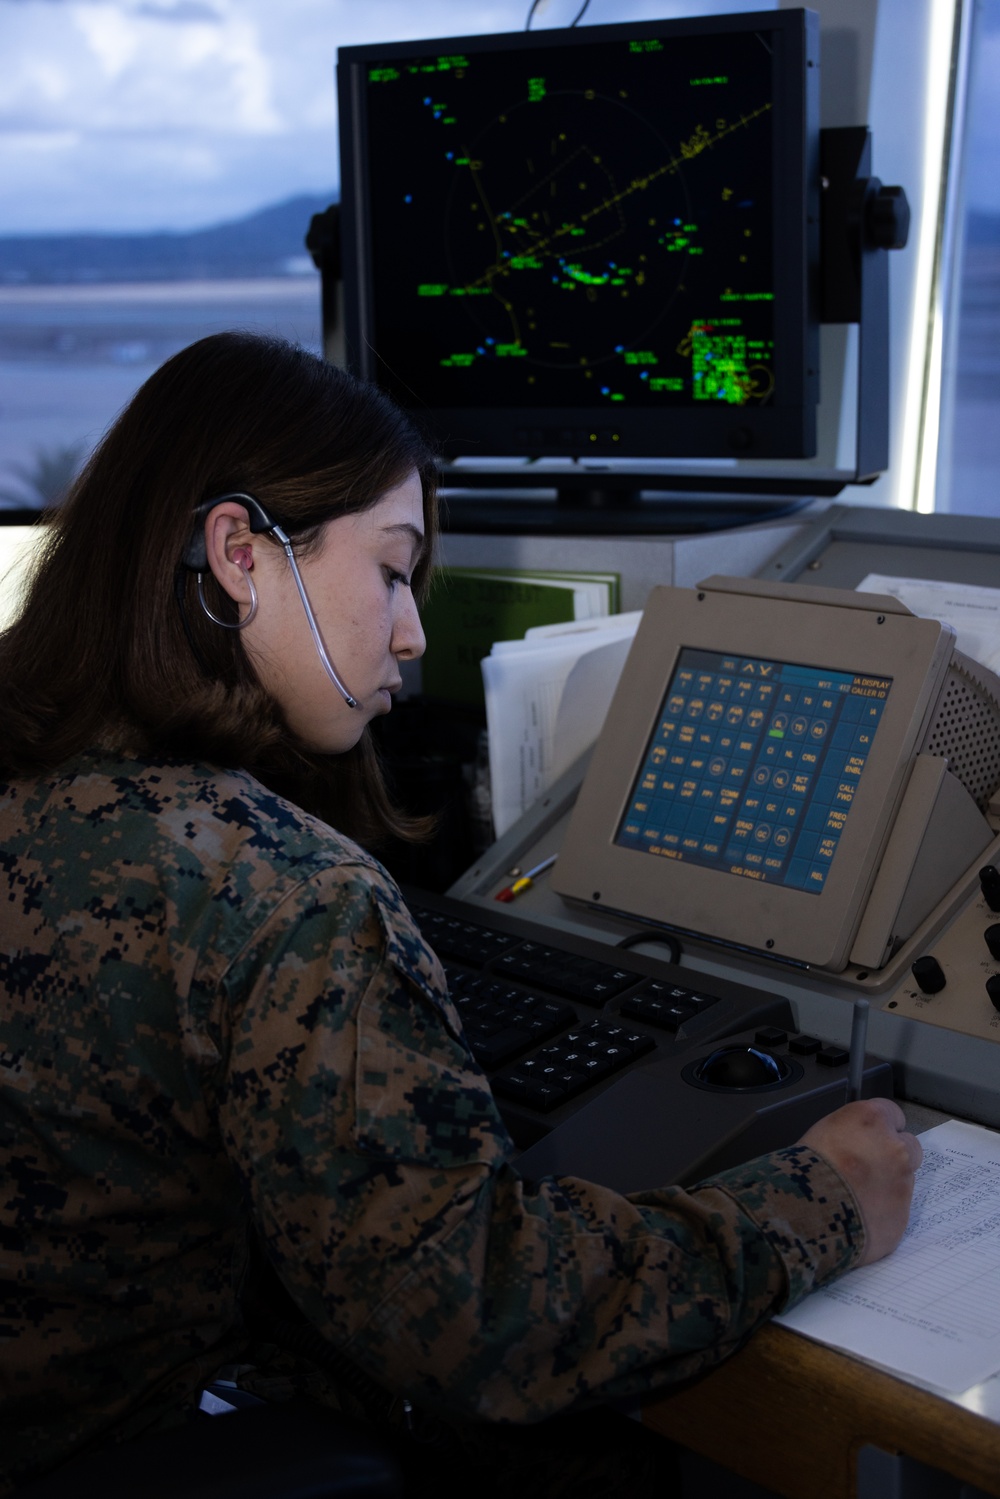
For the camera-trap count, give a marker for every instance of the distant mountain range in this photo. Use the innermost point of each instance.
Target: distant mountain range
(269, 242)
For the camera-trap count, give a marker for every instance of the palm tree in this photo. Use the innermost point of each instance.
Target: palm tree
(47, 479)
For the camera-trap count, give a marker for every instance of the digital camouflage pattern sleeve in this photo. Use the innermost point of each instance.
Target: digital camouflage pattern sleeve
(369, 1143)
(212, 1005)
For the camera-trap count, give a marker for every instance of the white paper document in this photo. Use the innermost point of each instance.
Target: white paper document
(17, 547)
(973, 612)
(931, 1310)
(546, 699)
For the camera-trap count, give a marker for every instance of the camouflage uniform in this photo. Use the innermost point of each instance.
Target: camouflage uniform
(214, 1005)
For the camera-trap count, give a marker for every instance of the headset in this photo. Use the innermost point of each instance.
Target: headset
(195, 559)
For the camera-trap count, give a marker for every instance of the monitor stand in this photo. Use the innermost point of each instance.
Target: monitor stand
(540, 500)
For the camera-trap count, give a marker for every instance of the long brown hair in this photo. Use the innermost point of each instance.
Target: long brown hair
(99, 656)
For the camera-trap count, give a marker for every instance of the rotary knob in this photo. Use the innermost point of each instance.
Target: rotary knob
(989, 882)
(993, 990)
(992, 938)
(887, 216)
(929, 974)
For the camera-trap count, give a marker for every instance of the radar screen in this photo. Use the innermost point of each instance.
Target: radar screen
(575, 226)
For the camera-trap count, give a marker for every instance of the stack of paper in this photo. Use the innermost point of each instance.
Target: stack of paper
(931, 1310)
(470, 608)
(546, 699)
(18, 545)
(972, 611)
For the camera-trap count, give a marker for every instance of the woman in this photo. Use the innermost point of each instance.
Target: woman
(215, 1010)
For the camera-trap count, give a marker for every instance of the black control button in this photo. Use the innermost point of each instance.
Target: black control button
(771, 1035)
(992, 936)
(930, 975)
(833, 1056)
(804, 1046)
(993, 990)
(989, 881)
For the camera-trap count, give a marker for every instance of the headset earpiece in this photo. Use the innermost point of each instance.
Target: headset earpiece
(194, 555)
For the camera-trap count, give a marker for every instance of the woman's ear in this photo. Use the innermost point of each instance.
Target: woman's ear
(229, 548)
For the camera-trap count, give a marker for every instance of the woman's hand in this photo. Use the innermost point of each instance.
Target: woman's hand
(869, 1145)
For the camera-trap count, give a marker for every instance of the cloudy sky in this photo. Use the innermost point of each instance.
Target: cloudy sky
(147, 114)
(143, 114)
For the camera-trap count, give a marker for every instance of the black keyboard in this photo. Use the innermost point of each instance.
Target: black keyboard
(586, 1055)
(593, 1054)
(502, 1020)
(518, 996)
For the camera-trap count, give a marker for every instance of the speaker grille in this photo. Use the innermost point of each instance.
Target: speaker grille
(965, 729)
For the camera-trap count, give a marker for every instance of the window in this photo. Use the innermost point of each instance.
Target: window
(159, 164)
(968, 470)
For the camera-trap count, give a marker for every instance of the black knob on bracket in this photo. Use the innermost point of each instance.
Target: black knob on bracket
(929, 974)
(993, 990)
(887, 216)
(989, 881)
(992, 936)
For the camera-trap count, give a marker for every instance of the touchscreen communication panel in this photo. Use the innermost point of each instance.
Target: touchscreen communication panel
(756, 753)
(753, 766)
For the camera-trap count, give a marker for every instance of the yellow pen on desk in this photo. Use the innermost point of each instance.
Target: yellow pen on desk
(525, 881)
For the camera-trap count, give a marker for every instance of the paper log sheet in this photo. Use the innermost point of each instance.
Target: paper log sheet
(931, 1310)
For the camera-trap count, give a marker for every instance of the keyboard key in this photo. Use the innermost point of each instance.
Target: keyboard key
(485, 1025)
(548, 1009)
(832, 1056)
(667, 1017)
(545, 1096)
(638, 1042)
(570, 1064)
(526, 1088)
(503, 1046)
(465, 940)
(566, 973)
(657, 988)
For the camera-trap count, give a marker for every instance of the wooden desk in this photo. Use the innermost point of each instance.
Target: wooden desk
(792, 1415)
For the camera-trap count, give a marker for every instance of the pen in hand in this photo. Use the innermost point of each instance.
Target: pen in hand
(856, 1063)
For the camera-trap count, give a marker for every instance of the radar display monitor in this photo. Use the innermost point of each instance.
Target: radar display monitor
(599, 241)
(748, 783)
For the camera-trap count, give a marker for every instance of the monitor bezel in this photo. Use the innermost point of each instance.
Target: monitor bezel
(804, 927)
(784, 429)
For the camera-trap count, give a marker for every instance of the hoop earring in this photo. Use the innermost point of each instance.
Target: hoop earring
(226, 624)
